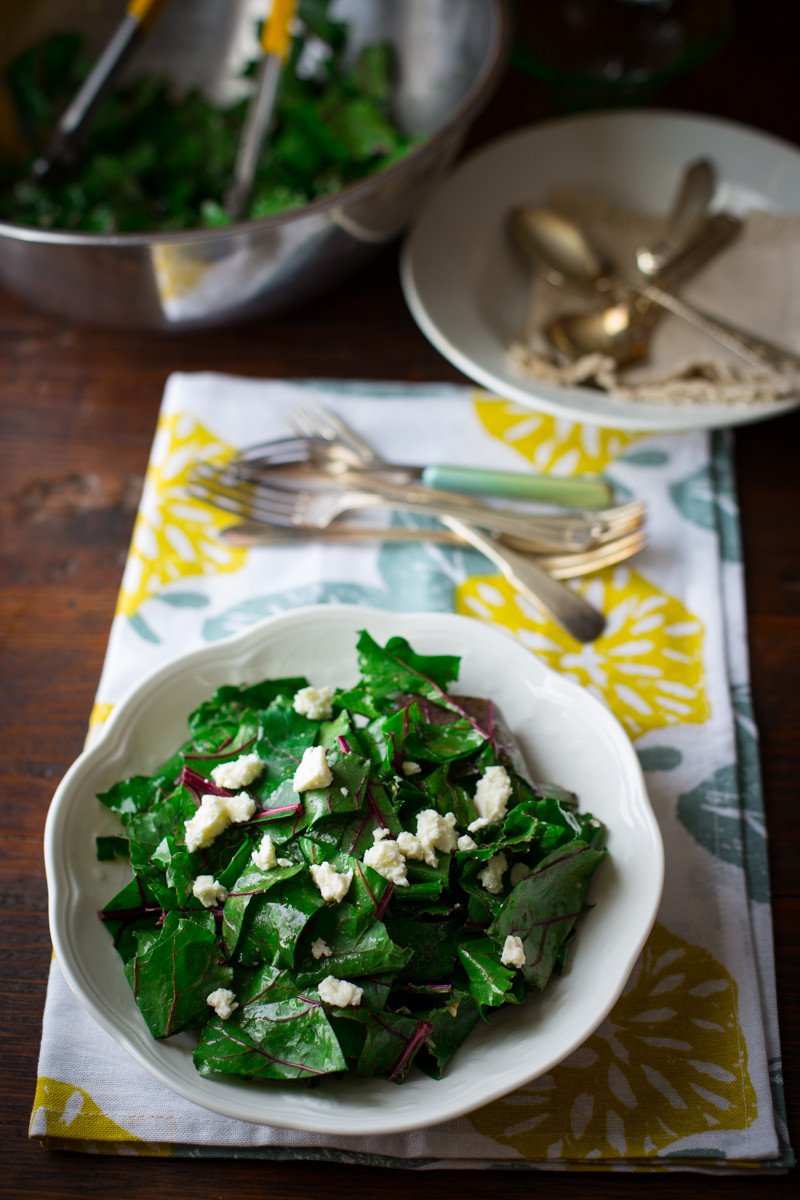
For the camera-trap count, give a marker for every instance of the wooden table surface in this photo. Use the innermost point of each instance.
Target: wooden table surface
(78, 409)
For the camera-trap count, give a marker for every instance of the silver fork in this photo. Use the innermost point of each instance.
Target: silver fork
(562, 566)
(325, 445)
(321, 422)
(232, 488)
(325, 428)
(565, 607)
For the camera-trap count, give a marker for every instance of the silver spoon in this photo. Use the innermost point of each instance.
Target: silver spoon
(559, 247)
(688, 211)
(622, 331)
(562, 252)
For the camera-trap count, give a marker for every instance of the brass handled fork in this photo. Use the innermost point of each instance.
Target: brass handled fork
(331, 445)
(320, 509)
(251, 494)
(565, 607)
(571, 565)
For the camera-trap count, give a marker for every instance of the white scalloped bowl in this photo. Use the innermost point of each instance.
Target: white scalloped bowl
(567, 737)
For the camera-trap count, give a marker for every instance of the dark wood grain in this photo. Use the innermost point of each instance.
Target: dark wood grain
(77, 413)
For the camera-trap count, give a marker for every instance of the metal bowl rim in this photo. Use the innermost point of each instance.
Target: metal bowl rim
(476, 97)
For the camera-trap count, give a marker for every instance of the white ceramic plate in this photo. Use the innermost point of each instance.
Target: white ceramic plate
(468, 292)
(567, 737)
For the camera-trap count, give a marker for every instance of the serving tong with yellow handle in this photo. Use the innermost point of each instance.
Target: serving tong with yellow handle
(140, 17)
(276, 40)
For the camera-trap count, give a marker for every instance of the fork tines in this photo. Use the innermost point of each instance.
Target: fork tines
(277, 451)
(229, 490)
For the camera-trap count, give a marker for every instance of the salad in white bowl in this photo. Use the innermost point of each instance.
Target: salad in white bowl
(346, 850)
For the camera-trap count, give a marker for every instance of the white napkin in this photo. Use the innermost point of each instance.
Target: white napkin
(685, 1073)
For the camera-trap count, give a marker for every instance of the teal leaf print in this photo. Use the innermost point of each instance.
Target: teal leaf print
(140, 626)
(722, 822)
(698, 1152)
(748, 766)
(183, 599)
(645, 458)
(725, 813)
(659, 758)
(352, 1158)
(698, 500)
(779, 1107)
(418, 577)
(712, 815)
(321, 389)
(241, 616)
(421, 576)
(694, 498)
(725, 487)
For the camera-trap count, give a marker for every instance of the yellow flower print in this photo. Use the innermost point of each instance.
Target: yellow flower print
(670, 1062)
(73, 1121)
(97, 719)
(174, 534)
(648, 664)
(551, 443)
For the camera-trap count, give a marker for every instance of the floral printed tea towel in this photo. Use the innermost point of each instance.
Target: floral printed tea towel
(685, 1074)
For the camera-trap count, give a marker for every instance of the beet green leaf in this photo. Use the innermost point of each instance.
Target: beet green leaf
(173, 978)
(544, 906)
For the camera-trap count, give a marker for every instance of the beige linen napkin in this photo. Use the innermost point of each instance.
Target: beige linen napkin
(754, 283)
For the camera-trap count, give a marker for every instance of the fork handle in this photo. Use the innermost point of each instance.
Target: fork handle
(518, 485)
(543, 533)
(565, 607)
(753, 349)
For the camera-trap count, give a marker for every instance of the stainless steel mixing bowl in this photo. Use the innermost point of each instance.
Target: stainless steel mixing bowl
(450, 55)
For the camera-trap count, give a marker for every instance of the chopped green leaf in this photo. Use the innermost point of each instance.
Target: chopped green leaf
(406, 947)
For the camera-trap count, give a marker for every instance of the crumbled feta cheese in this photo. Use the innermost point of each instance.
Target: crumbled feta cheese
(339, 992)
(313, 771)
(492, 793)
(208, 891)
(410, 846)
(513, 952)
(518, 871)
(387, 859)
(492, 874)
(223, 1002)
(239, 773)
(465, 842)
(240, 807)
(478, 823)
(314, 703)
(344, 791)
(380, 833)
(264, 855)
(411, 768)
(211, 818)
(331, 884)
(321, 949)
(214, 816)
(436, 832)
(285, 862)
